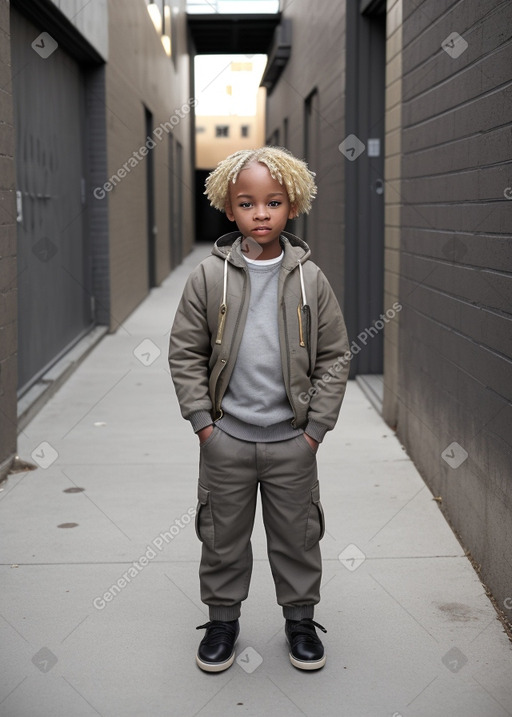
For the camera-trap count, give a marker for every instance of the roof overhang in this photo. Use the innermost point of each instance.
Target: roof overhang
(224, 34)
(279, 54)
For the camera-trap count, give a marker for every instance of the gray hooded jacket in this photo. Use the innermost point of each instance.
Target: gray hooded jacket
(210, 321)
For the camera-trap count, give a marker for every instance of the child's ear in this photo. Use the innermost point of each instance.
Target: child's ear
(293, 212)
(229, 211)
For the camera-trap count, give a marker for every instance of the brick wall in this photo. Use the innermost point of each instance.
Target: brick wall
(8, 269)
(392, 195)
(455, 415)
(317, 63)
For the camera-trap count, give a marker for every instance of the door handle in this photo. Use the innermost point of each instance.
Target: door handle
(379, 186)
(19, 207)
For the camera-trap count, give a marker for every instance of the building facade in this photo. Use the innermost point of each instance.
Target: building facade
(404, 111)
(97, 186)
(218, 136)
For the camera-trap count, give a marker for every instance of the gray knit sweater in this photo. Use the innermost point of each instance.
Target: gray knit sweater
(255, 404)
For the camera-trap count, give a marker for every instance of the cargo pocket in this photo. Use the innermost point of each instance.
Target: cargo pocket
(204, 517)
(315, 525)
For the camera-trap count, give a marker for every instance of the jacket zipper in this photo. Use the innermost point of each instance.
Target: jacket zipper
(219, 409)
(288, 361)
(220, 332)
(301, 333)
(302, 342)
(221, 322)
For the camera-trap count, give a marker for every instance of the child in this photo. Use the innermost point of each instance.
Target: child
(258, 356)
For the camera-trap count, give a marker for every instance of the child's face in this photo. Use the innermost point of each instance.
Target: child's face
(260, 206)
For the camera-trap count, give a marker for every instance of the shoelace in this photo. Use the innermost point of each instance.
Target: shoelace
(218, 631)
(305, 628)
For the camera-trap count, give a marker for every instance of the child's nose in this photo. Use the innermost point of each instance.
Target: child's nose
(261, 211)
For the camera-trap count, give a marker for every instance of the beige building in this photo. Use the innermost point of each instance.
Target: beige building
(230, 111)
(219, 136)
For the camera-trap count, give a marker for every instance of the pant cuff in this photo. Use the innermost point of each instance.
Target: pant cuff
(224, 612)
(298, 612)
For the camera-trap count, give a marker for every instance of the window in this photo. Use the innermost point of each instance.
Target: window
(244, 130)
(222, 130)
(241, 67)
(160, 12)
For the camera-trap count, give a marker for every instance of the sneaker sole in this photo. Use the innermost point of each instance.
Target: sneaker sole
(310, 665)
(217, 666)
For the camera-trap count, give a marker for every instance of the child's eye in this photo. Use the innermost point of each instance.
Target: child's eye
(274, 203)
(245, 205)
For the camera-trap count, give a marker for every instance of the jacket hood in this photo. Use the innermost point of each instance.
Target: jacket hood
(296, 251)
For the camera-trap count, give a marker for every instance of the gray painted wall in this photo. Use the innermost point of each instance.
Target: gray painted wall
(8, 266)
(90, 19)
(317, 62)
(455, 370)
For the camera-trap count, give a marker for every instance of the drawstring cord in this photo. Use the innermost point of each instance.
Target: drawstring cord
(223, 308)
(305, 308)
(224, 293)
(303, 290)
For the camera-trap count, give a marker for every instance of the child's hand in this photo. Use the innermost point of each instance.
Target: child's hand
(314, 444)
(205, 433)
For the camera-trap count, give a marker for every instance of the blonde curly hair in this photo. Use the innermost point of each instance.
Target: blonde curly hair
(289, 171)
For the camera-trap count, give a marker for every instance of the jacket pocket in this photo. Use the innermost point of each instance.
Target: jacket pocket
(315, 524)
(204, 517)
(303, 441)
(210, 438)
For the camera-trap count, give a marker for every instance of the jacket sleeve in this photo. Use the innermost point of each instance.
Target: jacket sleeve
(330, 372)
(189, 353)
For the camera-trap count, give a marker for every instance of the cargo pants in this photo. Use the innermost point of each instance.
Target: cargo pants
(229, 473)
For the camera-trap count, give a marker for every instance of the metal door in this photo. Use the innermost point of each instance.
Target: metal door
(150, 201)
(363, 148)
(176, 201)
(54, 307)
(172, 250)
(310, 232)
(178, 204)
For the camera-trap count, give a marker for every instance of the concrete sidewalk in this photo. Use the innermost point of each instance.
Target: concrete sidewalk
(99, 561)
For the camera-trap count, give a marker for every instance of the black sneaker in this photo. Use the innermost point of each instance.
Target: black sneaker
(216, 651)
(306, 649)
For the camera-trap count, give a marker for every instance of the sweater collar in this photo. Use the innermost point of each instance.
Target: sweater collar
(295, 250)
